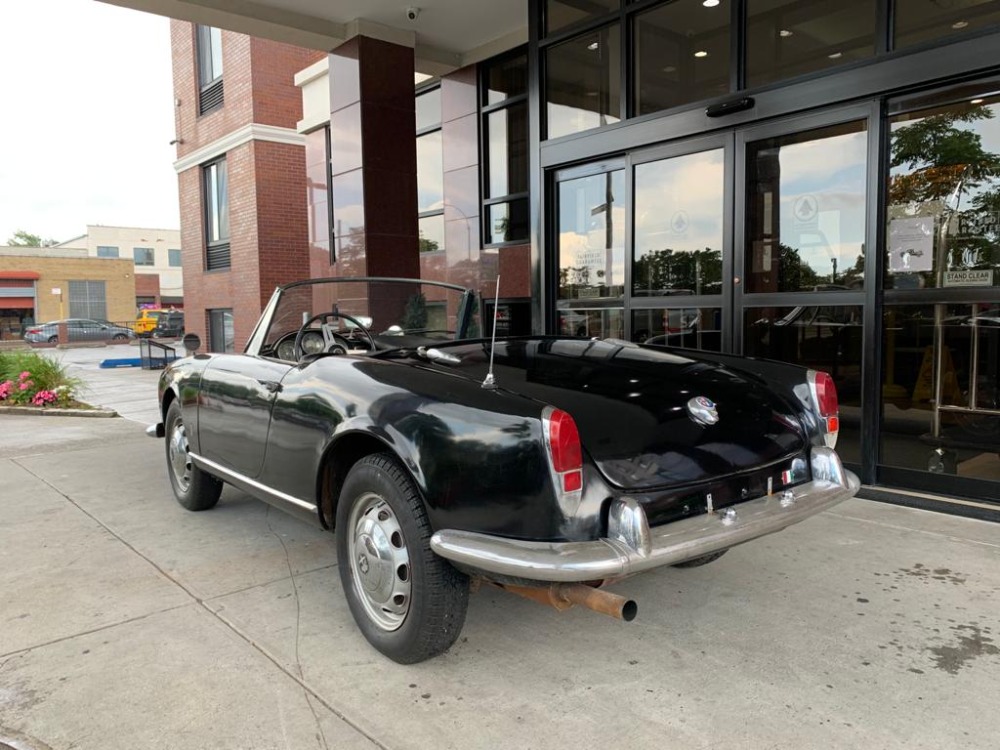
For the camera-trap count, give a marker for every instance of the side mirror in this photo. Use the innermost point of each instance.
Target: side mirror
(191, 342)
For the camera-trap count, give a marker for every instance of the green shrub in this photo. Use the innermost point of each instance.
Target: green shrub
(30, 378)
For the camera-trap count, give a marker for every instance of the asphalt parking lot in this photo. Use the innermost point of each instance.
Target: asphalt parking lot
(127, 622)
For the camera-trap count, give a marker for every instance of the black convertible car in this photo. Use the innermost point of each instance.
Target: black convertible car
(384, 410)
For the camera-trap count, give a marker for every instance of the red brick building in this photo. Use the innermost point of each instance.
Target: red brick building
(241, 174)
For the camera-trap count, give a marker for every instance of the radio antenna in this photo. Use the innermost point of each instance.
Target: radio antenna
(490, 382)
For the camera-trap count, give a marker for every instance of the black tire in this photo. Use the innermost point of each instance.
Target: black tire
(119, 337)
(703, 560)
(193, 488)
(53, 339)
(409, 603)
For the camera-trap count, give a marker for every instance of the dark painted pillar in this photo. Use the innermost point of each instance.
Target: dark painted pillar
(373, 159)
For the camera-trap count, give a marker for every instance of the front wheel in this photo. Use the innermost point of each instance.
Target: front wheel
(193, 488)
(409, 603)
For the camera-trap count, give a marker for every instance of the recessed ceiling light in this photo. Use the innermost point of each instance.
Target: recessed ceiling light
(975, 101)
(593, 46)
(836, 55)
(670, 69)
(785, 33)
(701, 53)
(710, 3)
(959, 24)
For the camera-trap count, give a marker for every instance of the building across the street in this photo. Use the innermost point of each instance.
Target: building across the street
(156, 253)
(38, 285)
(811, 182)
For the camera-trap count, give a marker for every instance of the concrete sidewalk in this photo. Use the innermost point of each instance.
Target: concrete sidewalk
(127, 622)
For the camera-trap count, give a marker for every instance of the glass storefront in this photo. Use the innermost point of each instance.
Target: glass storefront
(857, 234)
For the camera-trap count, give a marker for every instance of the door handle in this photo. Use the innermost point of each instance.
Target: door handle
(271, 386)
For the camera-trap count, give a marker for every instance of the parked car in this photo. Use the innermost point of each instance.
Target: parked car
(78, 329)
(380, 409)
(169, 325)
(146, 321)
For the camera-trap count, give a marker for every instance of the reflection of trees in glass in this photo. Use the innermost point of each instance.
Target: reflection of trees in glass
(428, 246)
(695, 272)
(794, 274)
(572, 279)
(415, 314)
(945, 161)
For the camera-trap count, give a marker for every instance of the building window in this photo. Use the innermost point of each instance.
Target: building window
(504, 128)
(216, 197)
(209, 53)
(583, 82)
(430, 170)
(107, 251)
(174, 257)
(144, 256)
(87, 299)
(221, 337)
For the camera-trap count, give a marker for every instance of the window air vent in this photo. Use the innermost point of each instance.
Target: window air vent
(217, 257)
(211, 97)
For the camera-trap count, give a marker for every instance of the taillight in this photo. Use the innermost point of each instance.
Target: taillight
(34, 330)
(824, 393)
(562, 440)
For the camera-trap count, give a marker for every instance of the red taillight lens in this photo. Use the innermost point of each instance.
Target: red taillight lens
(826, 395)
(34, 330)
(564, 449)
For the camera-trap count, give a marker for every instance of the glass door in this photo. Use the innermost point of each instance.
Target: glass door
(802, 234)
(681, 244)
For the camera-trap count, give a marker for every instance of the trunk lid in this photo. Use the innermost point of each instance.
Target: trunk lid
(644, 415)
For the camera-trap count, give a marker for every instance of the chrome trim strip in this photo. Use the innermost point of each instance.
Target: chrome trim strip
(250, 485)
(671, 543)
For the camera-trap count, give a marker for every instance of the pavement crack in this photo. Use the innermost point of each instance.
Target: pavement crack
(297, 678)
(298, 620)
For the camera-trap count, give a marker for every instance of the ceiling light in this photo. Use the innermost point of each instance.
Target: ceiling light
(785, 33)
(593, 46)
(959, 24)
(701, 53)
(670, 69)
(710, 3)
(975, 101)
(836, 55)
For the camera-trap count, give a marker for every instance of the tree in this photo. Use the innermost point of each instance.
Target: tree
(20, 238)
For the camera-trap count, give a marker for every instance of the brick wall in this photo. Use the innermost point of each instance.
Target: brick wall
(54, 273)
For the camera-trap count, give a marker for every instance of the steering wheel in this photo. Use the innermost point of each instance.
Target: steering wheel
(333, 342)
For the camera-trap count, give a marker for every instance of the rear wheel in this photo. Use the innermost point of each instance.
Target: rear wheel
(409, 603)
(119, 337)
(703, 560)
(53, 339)
(193, 488)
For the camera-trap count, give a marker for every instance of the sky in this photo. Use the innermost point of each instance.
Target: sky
(87, 119)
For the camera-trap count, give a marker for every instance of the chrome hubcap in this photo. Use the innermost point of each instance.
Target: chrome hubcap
(179, 457)
(380, 562)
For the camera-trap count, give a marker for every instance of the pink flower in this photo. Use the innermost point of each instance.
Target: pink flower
(26, 385)
(25, 374)
(43, 397)
(5, 388)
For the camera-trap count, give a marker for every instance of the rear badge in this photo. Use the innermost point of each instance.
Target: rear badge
(702, 410)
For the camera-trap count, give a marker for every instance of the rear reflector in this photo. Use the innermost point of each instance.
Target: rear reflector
(824, 393)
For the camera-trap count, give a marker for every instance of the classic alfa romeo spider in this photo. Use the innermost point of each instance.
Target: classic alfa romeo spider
(442, 456)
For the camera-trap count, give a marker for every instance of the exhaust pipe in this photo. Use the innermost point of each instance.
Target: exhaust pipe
(565, 595)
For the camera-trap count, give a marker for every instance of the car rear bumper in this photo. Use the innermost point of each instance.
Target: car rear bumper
(632, 546)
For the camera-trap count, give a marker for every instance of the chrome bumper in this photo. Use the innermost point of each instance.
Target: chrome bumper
(632, 546)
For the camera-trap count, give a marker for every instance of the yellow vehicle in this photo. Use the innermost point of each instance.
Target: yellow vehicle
(146, 321)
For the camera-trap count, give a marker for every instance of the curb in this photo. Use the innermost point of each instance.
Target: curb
(43, 412)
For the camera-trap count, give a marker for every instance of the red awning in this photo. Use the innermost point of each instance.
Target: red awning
(19, 275)
(17, 303)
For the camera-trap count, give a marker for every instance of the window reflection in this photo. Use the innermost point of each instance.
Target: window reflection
(592, 236)
(562, 13)
(678, 225)
(592, 323)
(583, 82)
(825, 338)
(944, 197)
(687, 327)
(430, 172)
(806, 210)
(787, 38)
(941, 406)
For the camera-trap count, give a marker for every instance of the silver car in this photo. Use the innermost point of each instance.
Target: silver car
(79, 329)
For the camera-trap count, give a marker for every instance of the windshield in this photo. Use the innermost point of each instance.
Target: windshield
(359, 313)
